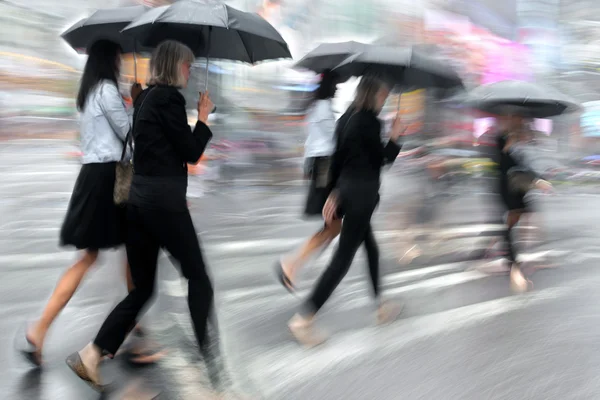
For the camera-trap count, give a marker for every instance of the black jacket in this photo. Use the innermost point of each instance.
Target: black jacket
(360, 154)
(163, 146)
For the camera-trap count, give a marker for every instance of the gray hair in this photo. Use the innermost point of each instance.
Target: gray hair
(366, 93)
(166, 61)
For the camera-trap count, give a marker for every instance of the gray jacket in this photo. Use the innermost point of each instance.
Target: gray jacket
(104, 124)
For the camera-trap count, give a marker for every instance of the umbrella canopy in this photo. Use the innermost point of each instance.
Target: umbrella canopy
(406, 66)
(329, 55)
(211, 29)
(105, 24)
(518, 97)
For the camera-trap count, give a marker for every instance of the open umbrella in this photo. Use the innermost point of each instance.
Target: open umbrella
(106, 24)
(329, 55)
(406, 66)
(519, 97)
(211, 29)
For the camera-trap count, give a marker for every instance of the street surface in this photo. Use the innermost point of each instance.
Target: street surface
(462, 334)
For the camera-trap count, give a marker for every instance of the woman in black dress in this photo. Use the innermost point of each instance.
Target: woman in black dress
(93, 221)
(355, 181)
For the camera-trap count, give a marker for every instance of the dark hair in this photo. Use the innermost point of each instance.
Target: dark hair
(101, 64)
(366, 93)
(328, 85)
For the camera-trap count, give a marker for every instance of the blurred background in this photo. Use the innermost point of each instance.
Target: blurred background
(247, 195)
(486, 41)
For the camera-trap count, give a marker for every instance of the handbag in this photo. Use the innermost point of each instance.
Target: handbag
(520, 181)
(124, 168)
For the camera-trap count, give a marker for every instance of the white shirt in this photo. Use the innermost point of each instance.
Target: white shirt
(105, 122)
(320, 129)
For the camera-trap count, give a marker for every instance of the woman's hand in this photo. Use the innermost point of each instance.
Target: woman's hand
(205, 107)
(544, 186)
(330, 208)
(136, 89)
(398, 128)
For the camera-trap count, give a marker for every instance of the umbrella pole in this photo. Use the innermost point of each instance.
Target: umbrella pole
(134, 65)
(206, 79)
(207, 59)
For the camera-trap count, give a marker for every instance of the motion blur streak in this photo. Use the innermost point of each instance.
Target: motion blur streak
(439, 225)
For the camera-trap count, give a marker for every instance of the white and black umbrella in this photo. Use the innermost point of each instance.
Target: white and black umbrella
(211, 29)
(518, 97)
(107, 24)
(405, 66)
(329, 55)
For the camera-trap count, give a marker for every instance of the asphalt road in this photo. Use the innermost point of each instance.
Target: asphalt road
(461, 336)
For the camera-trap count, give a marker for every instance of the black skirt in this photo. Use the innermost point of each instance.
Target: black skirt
(93, 220)
(515, 201)
(317, 170)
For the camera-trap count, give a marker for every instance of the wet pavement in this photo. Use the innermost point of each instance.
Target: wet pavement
(462, 334)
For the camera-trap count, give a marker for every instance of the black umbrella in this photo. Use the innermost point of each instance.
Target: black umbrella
(105, 24)
(408, 67)
(329, 55)
(521, 98)
(211, 29)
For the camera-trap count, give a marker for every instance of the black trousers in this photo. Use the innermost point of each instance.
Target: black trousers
(356, 230)
(148, 232)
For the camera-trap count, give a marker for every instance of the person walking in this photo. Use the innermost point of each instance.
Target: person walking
(355, 182)
(93, 221)
(513, 197)
(157, 213)
(319, 146)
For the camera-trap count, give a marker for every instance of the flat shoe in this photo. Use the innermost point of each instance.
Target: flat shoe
(74, 362)
(284, 279)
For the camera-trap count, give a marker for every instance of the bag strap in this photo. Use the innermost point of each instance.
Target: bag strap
(129, 136)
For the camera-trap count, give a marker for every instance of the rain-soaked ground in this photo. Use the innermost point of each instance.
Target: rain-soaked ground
(462, 334)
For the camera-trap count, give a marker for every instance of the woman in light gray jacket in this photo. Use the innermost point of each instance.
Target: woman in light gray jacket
(93, 221)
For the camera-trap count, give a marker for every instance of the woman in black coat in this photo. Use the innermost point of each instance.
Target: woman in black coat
(157, 215)
(355, 180)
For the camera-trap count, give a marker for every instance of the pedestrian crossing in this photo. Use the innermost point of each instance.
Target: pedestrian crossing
(253, 317)
(442, 296)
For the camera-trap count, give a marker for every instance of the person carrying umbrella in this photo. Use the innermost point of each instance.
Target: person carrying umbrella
(93, 221)
(318, 149)
(514, 102)
(515, 179)
(355, 180)
(157, 213)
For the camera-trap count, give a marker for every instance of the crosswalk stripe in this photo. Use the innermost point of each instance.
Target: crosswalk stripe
(284, 244)
(422, 279)
(282, 367)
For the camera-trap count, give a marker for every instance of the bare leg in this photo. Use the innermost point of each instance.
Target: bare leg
(292, 264)
(518, 282)
(66, 287)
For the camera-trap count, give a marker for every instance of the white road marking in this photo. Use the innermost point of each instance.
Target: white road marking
(350, 285)
(289, 365)
(258, 246)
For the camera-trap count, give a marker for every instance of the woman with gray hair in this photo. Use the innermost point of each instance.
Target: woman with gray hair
(157, 214)
(355, 180)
